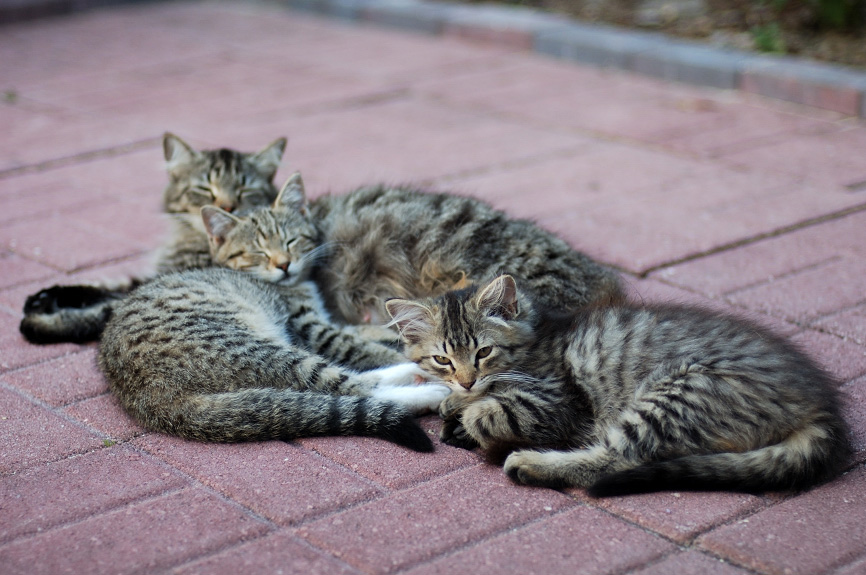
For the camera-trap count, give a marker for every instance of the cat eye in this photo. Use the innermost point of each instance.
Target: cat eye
(203, 191)
(441, 360)
(483, 352)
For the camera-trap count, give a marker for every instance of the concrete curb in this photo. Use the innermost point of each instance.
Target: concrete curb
(826, 86)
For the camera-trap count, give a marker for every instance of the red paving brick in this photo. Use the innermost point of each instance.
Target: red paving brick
(175, 527)
(690, 563)
(31, 434)
(390, 465)
(276, 480)
(105, 415)
(62, 380)
(581, 539)
(681, 516)
(417, 524)
(812, 533)
(718, 197)
(278, 552)
(50, 495)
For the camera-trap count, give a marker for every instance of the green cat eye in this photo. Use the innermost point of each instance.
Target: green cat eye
(483, 352)
(441, 360)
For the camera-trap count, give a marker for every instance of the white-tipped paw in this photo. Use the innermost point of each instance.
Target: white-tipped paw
(419, 399)
(400, 374)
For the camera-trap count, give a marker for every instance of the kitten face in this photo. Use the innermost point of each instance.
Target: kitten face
(276, 244)
(223, 178)
(464, 336)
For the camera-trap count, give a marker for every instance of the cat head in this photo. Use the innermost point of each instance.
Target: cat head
(224, 178)
(277, 243)
(466, 335)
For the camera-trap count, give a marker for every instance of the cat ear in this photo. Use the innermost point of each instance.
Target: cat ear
(500, 297)
(177, 152)
(292, 197)
(268, 160)
(218, 223)
(413, 319)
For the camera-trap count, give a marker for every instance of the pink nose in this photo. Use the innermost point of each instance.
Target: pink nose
(467, 384)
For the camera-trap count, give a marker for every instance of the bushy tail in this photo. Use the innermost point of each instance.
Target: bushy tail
(263, 414)
(75, 313)
(808, 456)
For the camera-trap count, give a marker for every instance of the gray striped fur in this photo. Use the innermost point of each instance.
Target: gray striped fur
(235, 181)
(225, 355)
(624, 399)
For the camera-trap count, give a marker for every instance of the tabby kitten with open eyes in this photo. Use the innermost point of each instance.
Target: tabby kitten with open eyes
(625, 399)
(227, 355)
(225, 178)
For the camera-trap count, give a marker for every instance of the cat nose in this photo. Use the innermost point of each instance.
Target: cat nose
(284, 266)
(467, 384)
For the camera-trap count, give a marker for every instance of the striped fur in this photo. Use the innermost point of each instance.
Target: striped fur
(626, 399)
(220, 355)
(379, 242)
(226, 178)
(403, 242)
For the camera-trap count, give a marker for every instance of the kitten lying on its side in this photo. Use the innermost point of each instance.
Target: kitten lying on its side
(622, 398)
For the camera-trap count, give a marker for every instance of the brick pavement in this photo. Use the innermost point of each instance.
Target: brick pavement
(696, 194)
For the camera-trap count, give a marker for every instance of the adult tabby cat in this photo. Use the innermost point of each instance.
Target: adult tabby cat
(225, 355)
(225, 178)
(625, 399)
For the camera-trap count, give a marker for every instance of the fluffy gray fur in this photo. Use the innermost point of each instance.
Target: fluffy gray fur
(625, 399)
(250, 354)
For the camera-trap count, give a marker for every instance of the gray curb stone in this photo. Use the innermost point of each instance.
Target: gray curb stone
(815, 84)
(821, 85)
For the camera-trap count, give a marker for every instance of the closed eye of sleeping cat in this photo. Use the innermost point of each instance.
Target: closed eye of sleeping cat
(250, 354)
(232, 180)
(622, 398)
(378, 242)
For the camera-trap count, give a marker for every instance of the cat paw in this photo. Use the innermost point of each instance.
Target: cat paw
(451, 406)
(419, 399)
(401, 374)
(454, 434)
(533, 468)
(41, 302)
(51, 300)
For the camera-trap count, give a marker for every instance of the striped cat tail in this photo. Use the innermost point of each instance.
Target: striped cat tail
(808, 456)
(75, 313)
(265, 414)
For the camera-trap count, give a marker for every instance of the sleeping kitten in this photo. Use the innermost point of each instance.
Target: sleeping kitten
(225, 178)
(625, 399)
(387, 242)
(227, 355)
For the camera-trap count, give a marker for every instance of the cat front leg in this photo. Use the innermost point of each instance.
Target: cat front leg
(559, 469)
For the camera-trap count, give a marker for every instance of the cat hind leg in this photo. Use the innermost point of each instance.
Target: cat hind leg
(558, 469)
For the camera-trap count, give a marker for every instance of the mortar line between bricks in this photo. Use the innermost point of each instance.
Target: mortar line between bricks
(692, 543)
(83, 157)
(781, 231)
(489, 537)
(386, 492)
(95, 513)
(198, 484)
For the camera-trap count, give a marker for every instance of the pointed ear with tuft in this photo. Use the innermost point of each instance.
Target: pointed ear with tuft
(499, 298)
(177, 153)
(218, 223)
(413, 319)
(268, 160)
(293, 196)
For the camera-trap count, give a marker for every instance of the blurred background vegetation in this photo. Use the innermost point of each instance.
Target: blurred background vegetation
(832, 30)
